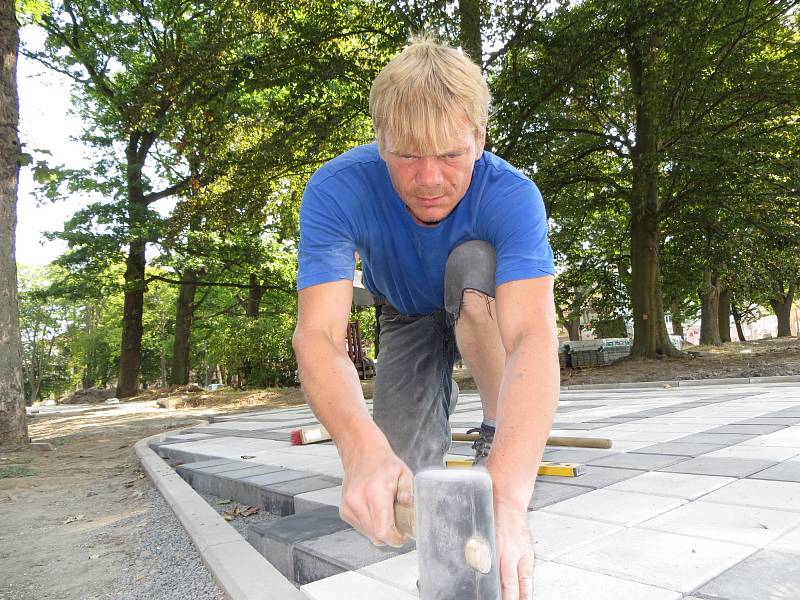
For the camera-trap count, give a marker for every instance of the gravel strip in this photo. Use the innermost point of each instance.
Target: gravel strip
(240, 524)
(164, 564)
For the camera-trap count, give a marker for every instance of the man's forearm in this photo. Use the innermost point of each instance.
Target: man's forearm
(331, 386)
(526, 409)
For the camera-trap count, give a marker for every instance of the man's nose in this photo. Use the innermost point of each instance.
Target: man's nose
(429, 172)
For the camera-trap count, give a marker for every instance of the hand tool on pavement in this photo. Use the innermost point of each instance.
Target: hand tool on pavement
(317, 433)
(453, 523)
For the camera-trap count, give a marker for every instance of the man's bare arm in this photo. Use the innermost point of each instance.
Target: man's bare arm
(526, 408)
(374, 475)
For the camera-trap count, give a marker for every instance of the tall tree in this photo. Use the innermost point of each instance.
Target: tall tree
(13, 426)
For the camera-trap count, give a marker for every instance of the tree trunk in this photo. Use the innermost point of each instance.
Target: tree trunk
(782, 307)
(737, 319)
(677, 323)
(725, 315)
(573, 327)
(709, 310)
(650, 339)
(184, 316)
(13, 427)
(254, 297)
(131, 354)
(469, 13)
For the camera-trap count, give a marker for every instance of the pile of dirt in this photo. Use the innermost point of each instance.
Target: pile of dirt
(89, 396)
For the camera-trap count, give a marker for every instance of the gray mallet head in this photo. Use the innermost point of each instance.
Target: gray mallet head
(455, 535)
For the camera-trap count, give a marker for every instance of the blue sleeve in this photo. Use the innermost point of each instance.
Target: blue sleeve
(516, 224)
(327, 248)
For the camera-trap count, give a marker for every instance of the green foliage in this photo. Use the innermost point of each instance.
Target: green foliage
(16, 471)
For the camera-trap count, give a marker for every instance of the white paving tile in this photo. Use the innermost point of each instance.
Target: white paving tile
(673, 485)
(311, 500)
(554, 534)
(787, 438)
(349, 585)
(399, 571)
(553, 581)
(748, 525)
(620, 508)
(780, 495)
(789, 542)
(666, 560)
(776, 453)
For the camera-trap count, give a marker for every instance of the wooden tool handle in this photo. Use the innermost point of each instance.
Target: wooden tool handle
(579, 442)
(404, 520)
(574, 442)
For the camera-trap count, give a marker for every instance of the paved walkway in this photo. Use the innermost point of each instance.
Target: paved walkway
(698, 498)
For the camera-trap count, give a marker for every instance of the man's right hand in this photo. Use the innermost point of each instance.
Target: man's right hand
(374, 477)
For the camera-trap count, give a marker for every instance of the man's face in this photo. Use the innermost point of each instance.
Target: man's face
(431, 186)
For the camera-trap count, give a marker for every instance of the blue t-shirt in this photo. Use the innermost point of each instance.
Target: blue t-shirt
(350, 205)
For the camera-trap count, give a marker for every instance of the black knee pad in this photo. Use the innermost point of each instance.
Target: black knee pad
(470, 266)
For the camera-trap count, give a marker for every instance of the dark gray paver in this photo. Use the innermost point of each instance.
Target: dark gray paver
(770, 420)
(546, 493)
(230, 467)
(717, 465)
(680, 448)
(227, 484)
(346, 550)
(276, 539)
(614, 420)
(788, 470)
(278, 498)
(766, 575)
(584, 426)
(204, 465)
(722, 439)
(594, 477)
(635, 460)
(576, 455)
(745, 428)
(279, 475)
(655, 412)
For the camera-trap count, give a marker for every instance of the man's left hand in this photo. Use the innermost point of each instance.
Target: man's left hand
(514, 551)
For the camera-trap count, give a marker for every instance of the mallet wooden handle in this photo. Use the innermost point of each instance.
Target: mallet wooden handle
(574, 442)
(404, 520)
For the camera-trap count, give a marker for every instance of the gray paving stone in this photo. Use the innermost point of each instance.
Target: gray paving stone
(346, 550)
(462, 449)
(746, 428)
(546, 493)
(251, 471)
(792, 412)
(635, 460)
(724, 439)
(654, 412)
(278, 498)
(723, 466)
(230, 467)
(680, 448)
(275, 539)
(788, 470)
(766, 575)
(594, 477)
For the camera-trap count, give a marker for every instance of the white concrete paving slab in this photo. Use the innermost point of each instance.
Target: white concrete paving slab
(554, 534)
(779, 495)
(673, 485)
(350, 585)
(675, 562)
(554, 581)
(619, 508)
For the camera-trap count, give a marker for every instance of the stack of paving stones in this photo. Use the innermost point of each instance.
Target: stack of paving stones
(698, 498)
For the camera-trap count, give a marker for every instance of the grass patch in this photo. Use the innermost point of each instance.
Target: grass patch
(15, 471)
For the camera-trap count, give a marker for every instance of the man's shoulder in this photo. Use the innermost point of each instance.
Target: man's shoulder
(357, 163)
(501, 171)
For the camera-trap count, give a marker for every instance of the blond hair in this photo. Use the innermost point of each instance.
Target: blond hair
(426, 96)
